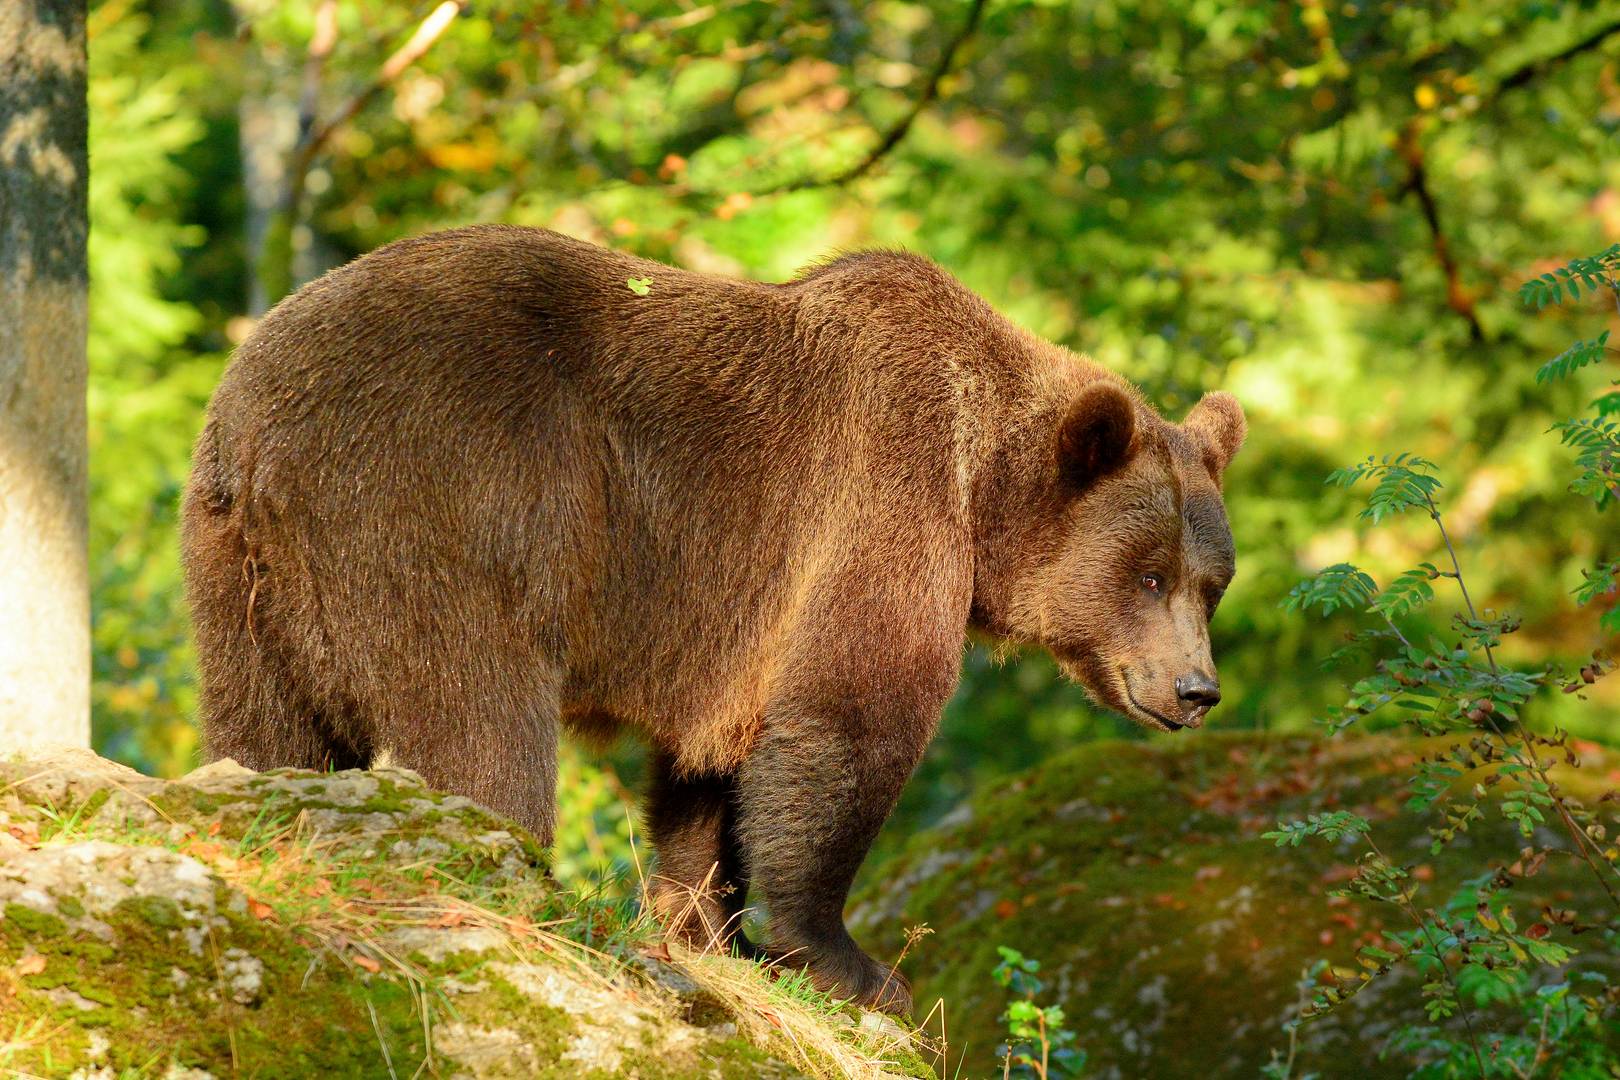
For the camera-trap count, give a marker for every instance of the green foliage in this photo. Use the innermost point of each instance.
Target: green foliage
(1579, 355)
(1561, 1029)
(1405, 482)
(595, 835)
(1408, 593)
(146, 395)
(1038, 1046)
(1601, 581)
(1597, 442)
(1596, 439)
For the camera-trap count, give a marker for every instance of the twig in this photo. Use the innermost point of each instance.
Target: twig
(415, 47)
(388, 1059)
(1292, 1026)
(320, 47)
(275, 261)
(913, 935)
(1456, 572)
(898, 132)
(425, 1010)
(1423, 926)
(1046, 1045)
(1403, 638)
(641, 878)
(226, 999)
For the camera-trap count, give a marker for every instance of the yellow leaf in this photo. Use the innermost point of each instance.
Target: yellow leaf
(479, 155)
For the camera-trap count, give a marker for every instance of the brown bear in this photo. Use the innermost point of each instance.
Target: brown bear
(484, 484)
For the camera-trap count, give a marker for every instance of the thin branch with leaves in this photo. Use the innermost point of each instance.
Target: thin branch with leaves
(1462, 688)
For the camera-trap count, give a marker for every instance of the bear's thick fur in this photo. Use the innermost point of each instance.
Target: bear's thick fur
(473, 487)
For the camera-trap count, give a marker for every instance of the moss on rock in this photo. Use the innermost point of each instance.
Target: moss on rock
(295, 924)
(1171, 932)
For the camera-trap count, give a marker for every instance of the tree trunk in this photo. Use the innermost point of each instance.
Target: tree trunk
(269, 126)
(44, 581)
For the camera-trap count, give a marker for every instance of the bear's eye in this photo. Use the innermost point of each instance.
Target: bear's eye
(1153, 583)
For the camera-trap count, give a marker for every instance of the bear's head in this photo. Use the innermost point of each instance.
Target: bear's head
(1110, 547)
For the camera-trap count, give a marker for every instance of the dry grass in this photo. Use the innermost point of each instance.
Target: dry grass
(783, 1013)
(775, 1005)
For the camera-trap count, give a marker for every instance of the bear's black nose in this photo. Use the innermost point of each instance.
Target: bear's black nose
(1197, 691)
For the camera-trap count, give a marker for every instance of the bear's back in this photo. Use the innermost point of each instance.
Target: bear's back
(492, 418)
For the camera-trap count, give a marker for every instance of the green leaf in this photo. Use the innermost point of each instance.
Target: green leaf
(1332, 825)
(1405, 481)
(1408, 592)
(1338, 586)
(1594, 272)
(1572, 359)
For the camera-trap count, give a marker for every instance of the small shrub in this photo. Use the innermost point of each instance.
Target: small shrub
(1487, 964)
(1038, 1046)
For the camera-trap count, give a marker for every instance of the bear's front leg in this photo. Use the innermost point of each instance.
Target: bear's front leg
(811, 799)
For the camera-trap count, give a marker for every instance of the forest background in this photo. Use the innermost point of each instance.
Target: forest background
(1325, 208)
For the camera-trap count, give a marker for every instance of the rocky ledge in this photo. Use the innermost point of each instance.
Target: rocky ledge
(357, 924)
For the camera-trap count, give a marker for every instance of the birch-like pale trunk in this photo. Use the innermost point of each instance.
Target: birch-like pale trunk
(44, 579)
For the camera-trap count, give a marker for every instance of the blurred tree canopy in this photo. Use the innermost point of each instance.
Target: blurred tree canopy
(1321, 206)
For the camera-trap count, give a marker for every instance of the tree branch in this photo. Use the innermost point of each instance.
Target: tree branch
(403, 57)
(1526, 72)
(275, 261)
(1458, 297)
(320, 47)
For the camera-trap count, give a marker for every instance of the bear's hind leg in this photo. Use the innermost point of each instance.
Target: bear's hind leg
(262, 723)
(487, 746)
(700, 881)
(252, 707)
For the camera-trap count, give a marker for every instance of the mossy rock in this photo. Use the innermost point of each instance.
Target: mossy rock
(1173, 935)
(355, 924)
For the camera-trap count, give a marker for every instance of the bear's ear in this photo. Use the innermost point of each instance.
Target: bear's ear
(1217, 423)
(1096, 434)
